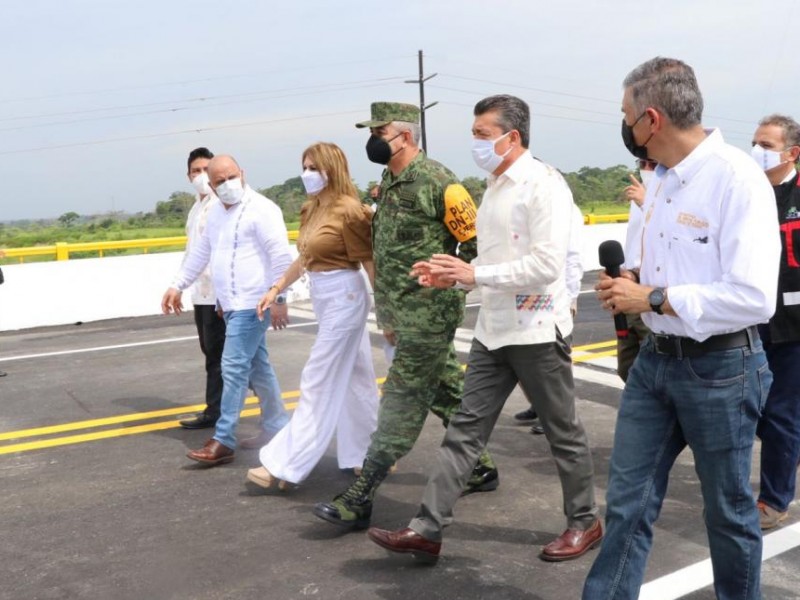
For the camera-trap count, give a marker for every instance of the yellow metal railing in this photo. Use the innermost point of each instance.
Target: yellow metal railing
(62, 250)
(599, 219)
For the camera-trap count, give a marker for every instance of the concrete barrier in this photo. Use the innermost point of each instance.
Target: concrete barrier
(92, 289)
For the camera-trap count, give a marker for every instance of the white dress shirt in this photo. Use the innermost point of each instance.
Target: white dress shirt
(523, 233)
(247, 247)
(711, 238)
(633, 236)
(574, 273)
(202, 290)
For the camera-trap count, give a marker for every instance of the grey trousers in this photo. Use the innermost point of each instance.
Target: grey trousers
(544, 371)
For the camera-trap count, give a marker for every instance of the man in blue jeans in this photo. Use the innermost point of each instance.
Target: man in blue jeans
(246, 244)
(708, 275)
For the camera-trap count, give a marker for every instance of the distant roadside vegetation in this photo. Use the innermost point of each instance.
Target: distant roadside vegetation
(596, 191)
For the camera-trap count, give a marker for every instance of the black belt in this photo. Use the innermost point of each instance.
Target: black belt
(675, 345)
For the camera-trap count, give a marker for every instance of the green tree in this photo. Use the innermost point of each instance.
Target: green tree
(68, 218)
(176, 209)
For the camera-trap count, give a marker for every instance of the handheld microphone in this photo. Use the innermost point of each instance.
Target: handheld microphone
(612, 257)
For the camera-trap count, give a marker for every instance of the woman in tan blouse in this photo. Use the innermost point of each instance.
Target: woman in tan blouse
(338, 392)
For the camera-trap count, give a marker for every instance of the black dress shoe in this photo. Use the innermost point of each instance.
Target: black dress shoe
(526, 415)
(483, 479)
(201, 421)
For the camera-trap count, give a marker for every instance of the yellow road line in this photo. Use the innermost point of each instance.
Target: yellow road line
(143, 416)
(583, 356)
(108, 433)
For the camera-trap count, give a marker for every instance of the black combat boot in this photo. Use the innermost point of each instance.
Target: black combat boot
(353, 508)
(484, 478)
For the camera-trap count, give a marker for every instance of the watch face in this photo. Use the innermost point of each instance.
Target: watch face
(656, 297)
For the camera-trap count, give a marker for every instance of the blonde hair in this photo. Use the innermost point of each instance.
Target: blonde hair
(329, 159)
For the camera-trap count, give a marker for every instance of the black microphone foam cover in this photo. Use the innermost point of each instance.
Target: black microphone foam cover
(611, 254)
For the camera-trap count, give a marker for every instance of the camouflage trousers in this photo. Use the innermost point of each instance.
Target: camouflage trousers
(425, 375)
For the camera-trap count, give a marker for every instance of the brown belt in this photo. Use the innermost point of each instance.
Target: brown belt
(675, 345)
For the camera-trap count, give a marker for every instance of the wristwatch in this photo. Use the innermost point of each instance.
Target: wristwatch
(280, 299)
(656, 299)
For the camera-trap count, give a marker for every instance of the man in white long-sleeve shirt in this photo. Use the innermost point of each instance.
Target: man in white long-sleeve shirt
(246, 244)
(708, 275)
(210, 325)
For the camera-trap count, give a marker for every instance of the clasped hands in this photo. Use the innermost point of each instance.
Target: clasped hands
(443, 271)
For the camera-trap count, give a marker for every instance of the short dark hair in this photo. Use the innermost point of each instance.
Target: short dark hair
(668, 85)
(789, 127)
(513, 113)
(201, 152)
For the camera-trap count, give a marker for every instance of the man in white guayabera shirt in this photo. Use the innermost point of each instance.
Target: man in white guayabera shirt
(210, 325)
(246, 244)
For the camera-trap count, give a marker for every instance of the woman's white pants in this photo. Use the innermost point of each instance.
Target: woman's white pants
(338, 392)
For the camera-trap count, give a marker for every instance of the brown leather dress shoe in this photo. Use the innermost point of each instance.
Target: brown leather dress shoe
(406, 541)
(573, 543)
(256, 442)
(212, 454)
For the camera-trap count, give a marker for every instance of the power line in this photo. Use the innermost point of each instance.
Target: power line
(188, 108)
(181, 132)
(535, 104)
(201, 98)
(204, 80)
(557, 93)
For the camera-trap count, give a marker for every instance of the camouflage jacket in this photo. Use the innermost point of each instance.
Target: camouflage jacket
(423, 210)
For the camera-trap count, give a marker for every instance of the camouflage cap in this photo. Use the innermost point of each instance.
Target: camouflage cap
(384, 113)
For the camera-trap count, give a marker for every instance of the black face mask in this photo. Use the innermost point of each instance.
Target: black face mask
(378, 149)
(639, 151)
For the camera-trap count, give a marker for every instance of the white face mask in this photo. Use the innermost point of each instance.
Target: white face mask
(647, 177)
(231, 191)
(314, 181)
(766, 159)
(484, 155)
(200, 184)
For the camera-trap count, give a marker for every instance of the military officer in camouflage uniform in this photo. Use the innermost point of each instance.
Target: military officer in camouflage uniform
(423, 210)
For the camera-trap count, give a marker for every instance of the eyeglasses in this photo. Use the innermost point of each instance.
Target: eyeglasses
(647, 165)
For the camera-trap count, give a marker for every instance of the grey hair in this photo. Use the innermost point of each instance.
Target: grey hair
(790, 128)
(668, 85)
(512, 113)
(406, 126)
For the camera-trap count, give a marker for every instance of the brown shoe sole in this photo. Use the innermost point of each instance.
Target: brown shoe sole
(211, 463)
(551, 558)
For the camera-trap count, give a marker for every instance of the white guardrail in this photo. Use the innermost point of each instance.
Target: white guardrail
(92, 289)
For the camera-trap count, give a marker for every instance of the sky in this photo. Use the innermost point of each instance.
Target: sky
(101, 101)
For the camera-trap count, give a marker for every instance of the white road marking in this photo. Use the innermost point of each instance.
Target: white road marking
(699, 575)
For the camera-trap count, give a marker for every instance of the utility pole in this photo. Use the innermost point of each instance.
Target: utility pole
(422, 106)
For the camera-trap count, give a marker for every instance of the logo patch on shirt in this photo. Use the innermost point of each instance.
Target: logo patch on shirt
(460, 213)
(792, 214)
(537, 302)
(692, 221)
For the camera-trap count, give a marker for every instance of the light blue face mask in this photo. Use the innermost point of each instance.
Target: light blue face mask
(766, 159)
(484, 155)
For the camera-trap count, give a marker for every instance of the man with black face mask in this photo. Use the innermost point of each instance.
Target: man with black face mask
(423, 210)
(708, 275)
